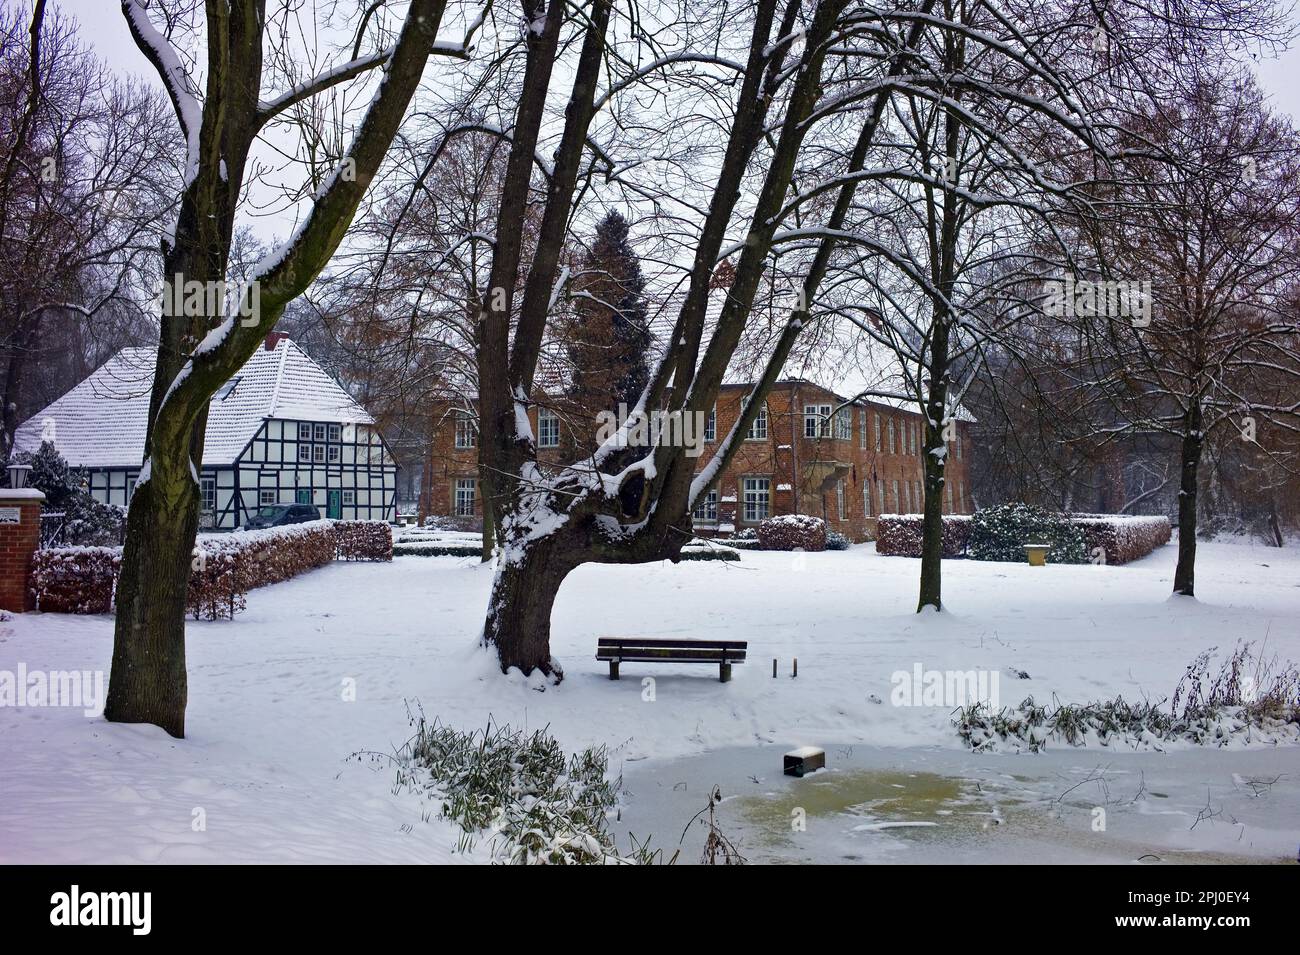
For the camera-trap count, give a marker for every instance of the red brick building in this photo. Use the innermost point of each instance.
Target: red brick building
(809, 452)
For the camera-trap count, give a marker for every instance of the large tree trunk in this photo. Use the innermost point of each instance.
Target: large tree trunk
(148, 683)
(518, 621)
(1185, 573)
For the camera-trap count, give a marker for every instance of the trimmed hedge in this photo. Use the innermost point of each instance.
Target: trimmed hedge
(75, 579)
(792, 532)
(1002, 531)
(899, 535)
(224, 568)
(1120, 538)
(364, 540)
(437, 549)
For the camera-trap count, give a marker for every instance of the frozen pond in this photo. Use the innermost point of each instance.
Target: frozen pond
(876, 805)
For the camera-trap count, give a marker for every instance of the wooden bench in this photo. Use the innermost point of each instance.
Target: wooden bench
(724, 653)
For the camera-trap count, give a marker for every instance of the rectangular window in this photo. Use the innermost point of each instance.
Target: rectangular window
(844, 424)
(911, 437)
(898, 505)
(349, 497)
(711, 426)
(907, 497)
(862, 437)
(548, 428)
(891, 437)
(336, 432)
(866, 498)
(877, 432)
(816, 421)
(335, 452)
(466, 433)
(948, 490)
(304, 452)
(318, 432)
(266, 496)
(706, 512)
(304, 431)
(758, 427)
(839, 499)
(957, 442)
(758, 498)
(961, 497)
(318, 453)
(880, 491)
(920, 496)
(208, 493)
(466, 491)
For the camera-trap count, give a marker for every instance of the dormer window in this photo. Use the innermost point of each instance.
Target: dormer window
(224, 391)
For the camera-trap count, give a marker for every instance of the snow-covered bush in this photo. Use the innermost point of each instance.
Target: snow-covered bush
(518, 790)
(1002, 531)
(447, 522)
(75, 579)
(792, 532)
(900, 535)
(836, 541)
(91, 523)
(699, 549)
(364, 540)
(1122, 537)
(1246, 700)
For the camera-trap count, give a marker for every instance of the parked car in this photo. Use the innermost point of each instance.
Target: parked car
(280, 515)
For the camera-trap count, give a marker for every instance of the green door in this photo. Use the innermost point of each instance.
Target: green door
(334, 509)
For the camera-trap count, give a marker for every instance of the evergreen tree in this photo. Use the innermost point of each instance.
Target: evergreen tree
(610, 338)
(51, 475)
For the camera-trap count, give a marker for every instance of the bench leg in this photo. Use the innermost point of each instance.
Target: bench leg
(724, 676)
(613, 669)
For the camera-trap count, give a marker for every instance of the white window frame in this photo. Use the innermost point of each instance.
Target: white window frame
(318, 454)
(548, 428)
(843, 424)
(304, 431)
(817, 421)
(755, 498)
(335, 454)
(706, 512)
(464, 490)
(207, 482)
(304, 452)
(319, 432)
(336, 432)
(898, 504)
(839, 499)
(266, 497)
(892, 445)
(466, 435)
(349, 496)
(711, 424)
(866, 498)
(878, 436)
(758, 427)
(862, 437)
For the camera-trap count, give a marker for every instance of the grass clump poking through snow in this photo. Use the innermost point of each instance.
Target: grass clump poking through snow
(519, 790)
(1246, 700)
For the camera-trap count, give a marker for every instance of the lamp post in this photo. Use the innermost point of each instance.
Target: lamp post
(18, 475)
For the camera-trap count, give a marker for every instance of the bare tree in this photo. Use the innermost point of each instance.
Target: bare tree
(200, 350)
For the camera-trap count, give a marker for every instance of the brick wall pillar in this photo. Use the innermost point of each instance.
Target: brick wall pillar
(20, 533)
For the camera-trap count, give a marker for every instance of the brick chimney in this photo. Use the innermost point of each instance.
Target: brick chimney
(274, 338)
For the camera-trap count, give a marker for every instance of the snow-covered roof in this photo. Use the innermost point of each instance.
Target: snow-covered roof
(101, 422)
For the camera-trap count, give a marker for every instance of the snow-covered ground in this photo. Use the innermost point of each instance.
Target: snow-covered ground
(266, 767)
